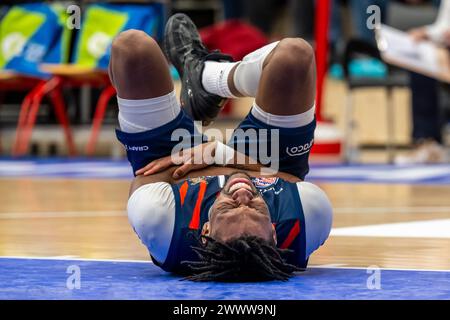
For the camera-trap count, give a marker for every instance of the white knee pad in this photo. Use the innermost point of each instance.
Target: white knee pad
(248, 72)
(146, 114)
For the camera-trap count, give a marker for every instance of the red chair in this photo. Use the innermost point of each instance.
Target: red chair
(38, 88)
(99, 115)
(30, 107)
(77, 74)
(74, 76)
(42, 28)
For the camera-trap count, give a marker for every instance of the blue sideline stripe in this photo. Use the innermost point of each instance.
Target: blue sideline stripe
(47, 279)
(110, 169)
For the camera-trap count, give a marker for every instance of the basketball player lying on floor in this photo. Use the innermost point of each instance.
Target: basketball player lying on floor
(219, 220)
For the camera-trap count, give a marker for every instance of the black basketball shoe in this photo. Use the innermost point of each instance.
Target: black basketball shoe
(185, 50)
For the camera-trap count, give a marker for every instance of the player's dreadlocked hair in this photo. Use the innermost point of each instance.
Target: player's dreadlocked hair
(244, 259)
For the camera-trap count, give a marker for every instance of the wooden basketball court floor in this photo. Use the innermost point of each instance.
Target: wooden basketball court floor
(56, 217)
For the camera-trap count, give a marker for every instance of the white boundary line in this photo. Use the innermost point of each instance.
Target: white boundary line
(393, 210)
(116, 213)
(60, 214)
(73, 258)
(374, 266)
(329, 266)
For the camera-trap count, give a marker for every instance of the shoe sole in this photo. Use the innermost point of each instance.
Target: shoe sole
(171, 40)
(169, 43)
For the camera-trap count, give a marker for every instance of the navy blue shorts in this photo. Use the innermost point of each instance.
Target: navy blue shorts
(293, 152)
(144, 147)
(294, 145)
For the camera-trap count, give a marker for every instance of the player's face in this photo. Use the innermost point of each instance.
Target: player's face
(240, 210)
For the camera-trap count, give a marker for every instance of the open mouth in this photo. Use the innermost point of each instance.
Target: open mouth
(240, 183)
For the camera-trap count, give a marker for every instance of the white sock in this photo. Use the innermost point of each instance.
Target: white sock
(248, 72)
(246, 77)
(215, 78)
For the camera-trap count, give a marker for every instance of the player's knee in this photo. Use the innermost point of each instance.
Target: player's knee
(293, 57)
(131, 47)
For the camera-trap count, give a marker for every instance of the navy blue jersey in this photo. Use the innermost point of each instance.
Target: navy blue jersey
(194, 197)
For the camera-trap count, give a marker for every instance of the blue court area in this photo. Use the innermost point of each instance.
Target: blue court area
(49, 278)
(109, 169)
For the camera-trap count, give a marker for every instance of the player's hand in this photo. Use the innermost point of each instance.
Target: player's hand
(446, 38)
(418, 34)
(189, 160)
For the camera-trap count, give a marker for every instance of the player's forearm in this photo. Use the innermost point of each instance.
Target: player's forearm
(228, 157)
(436, 31)
(247, 167)
(242, 162)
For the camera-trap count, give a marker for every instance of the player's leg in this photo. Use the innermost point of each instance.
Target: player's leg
(148, 108)
(287, 82)
(140, 73)
(282, 78)
(138, 68)
(185, 50)
(280, 75)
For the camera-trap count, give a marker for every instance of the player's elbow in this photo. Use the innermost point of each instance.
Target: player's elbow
(140, 216)
(147, 209)
(318, 215)
(321, 212)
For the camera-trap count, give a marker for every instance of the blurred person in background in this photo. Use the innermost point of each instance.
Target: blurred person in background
(263, 14)
(427, 115)
(260, 13)
(359, 15)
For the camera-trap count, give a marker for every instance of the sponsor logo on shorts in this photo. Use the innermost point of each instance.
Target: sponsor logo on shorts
(300, 150)
(264, 182)
(136, 148)
(194, 181)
